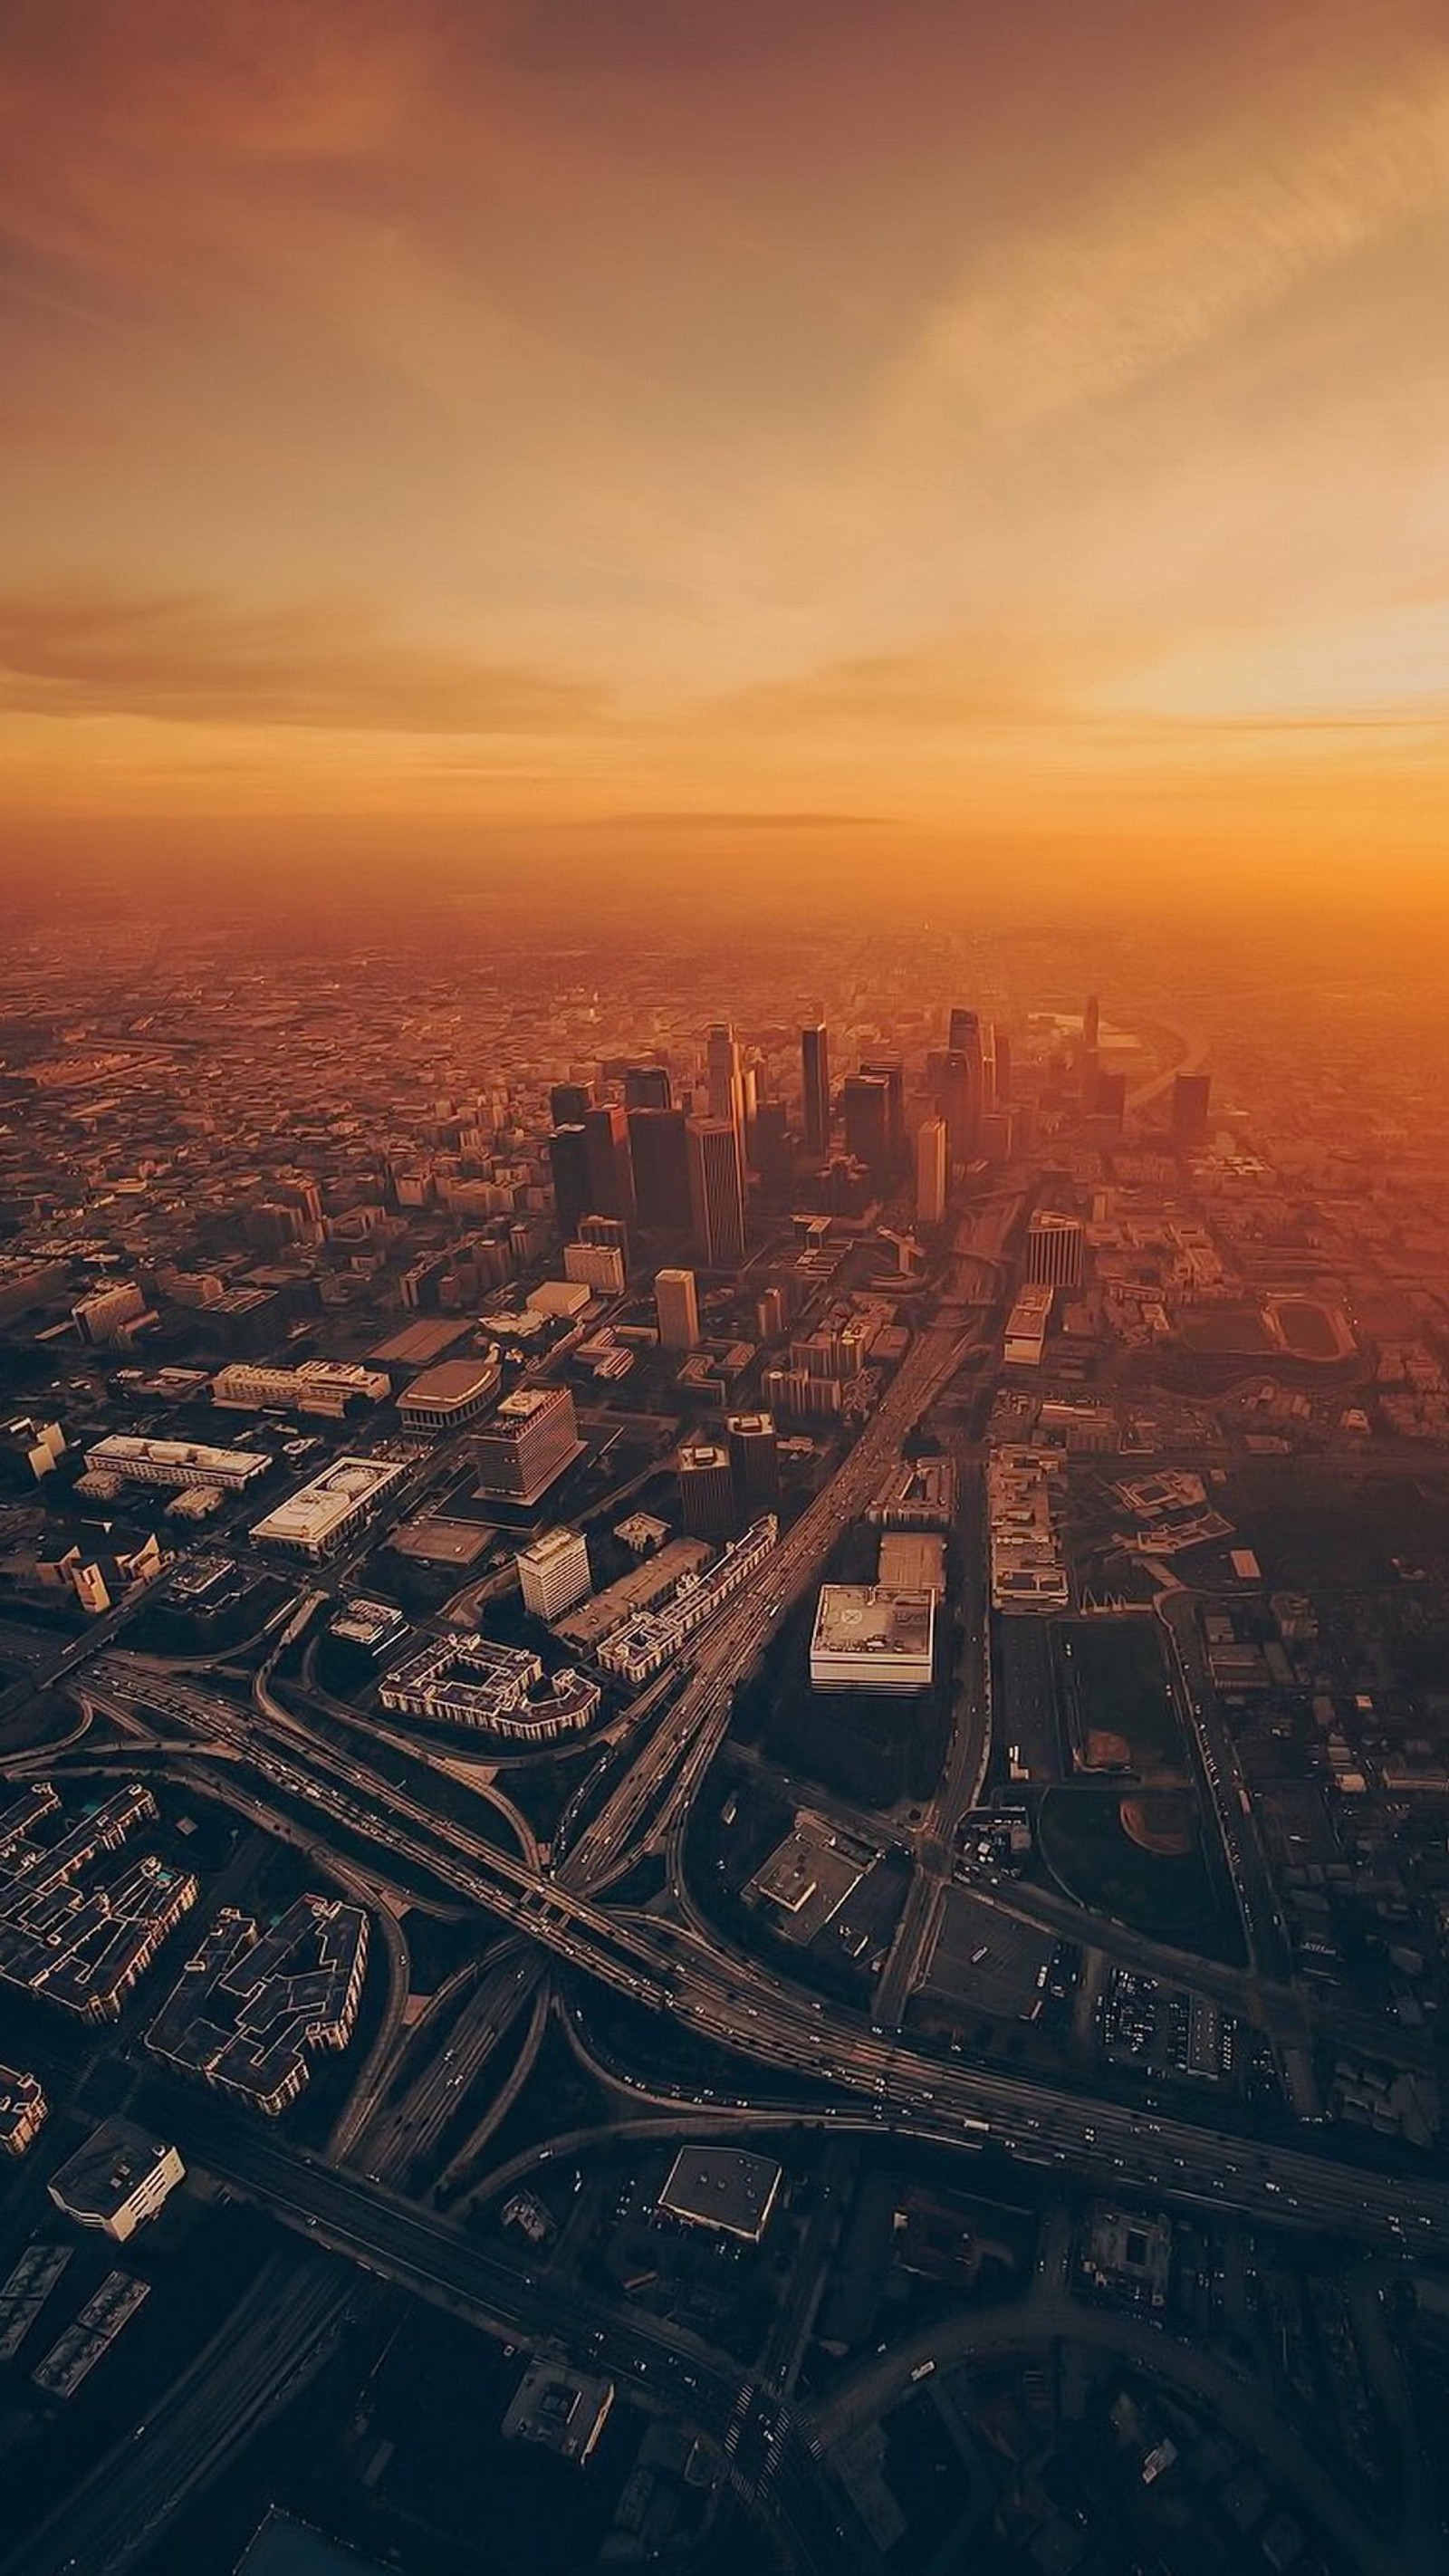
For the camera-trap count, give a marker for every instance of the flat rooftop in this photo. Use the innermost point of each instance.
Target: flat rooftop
(723, 2187)
(417, 1345)
(912, 1561)
(432, 1539)
(316, 1508)
(867, 1619)
(102, 2175)
(286, 2548)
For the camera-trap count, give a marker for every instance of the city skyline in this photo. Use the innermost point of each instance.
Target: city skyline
(696, 437)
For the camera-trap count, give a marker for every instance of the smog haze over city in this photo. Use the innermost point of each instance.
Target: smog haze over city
(724, 1287)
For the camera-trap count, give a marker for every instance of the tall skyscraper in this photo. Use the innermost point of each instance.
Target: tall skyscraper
(1054, 1250)
(963, 1097)
(647, 1086)
(957, 1101)
(774, 1159)
(726, 1082)
(570, 1102)
(1190, 1095)
(611, 1170)
(1109, 1101)
(865, 1103)
(568, 1161)
(660, 1159)
(1000, 1069)
(754, 1462)
(716, 1191)
(963, 1036)
(932, 1171)
(815, 1073)
(677, 1307)
(706, 1489)
(1091, 1023)
(892, 1073)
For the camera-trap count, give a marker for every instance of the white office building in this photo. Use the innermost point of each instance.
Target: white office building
(554, 1573)
(321, 1516)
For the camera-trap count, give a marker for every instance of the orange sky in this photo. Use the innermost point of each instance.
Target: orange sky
(1004, 428)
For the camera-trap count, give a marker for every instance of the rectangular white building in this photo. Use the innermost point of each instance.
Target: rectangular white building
(554, 1572)
(317, 1520)
(867, 1637)
(173, 1462)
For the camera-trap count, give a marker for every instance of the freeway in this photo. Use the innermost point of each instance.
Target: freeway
(691, 1734)
(267, 2348)
(382, 2232)
(1264, 1929)
(755, 2014)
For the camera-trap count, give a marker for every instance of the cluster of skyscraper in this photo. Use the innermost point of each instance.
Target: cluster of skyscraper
(649, 1162)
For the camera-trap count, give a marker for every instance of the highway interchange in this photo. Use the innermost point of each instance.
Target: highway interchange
(551, 1910)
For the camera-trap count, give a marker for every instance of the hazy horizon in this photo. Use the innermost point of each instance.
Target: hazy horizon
(965, 442)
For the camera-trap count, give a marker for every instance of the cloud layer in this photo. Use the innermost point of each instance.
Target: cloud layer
(1016, 421)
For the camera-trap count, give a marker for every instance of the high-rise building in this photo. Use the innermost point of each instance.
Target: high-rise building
(865, 1102)
(716, 1192)
(774, 1157)
(677, 1307)
(597, 1266)
(1190, 1095)
(958, 1080)
(706, 1490)
(611, 1170)
(568, 1161)
(647, 1086)
(754, 1462)
(610, 1230)
(570, 1102)
(528, 1443)
(1109, 1102)
(1054, 1250)
(554, 1573)
(1091, 1023)
(963, 1034)
(660, 1158)
(932, 1171)
(892, 1073)
(815, 1075)
(726, 1080)
(772, 1314)
(1000, 1069)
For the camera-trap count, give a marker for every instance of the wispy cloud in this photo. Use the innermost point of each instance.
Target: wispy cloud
(1146, 269)
(197, 660)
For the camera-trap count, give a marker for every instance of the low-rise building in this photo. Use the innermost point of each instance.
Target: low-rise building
(652, 1640)
(329, 1388)
(173, 1462)
(22, 2109)
(1027, 1326)
(251, 2006)
(117, 2180)
(327, 1511)
(1028, 1567)
(468, 1680)
(560, 2409)
(724, 2188)
(651, 1581)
